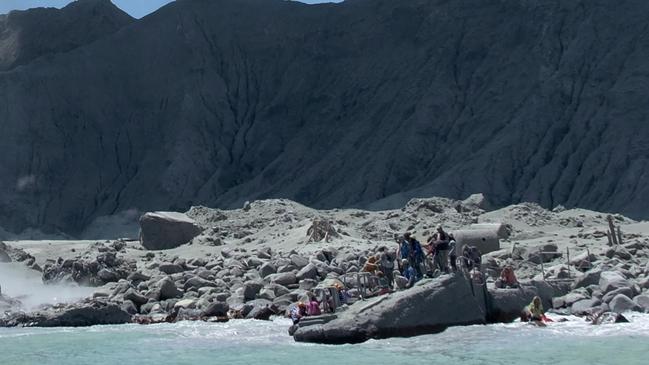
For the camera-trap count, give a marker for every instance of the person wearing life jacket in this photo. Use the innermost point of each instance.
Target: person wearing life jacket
(298, 312)
(343, 295)
(507, 279)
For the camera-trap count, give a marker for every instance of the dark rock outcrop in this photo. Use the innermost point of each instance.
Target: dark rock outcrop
(165, 230)
(75, 315)
(268, 94)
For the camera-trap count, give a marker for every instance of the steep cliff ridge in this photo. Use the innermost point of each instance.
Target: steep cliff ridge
(27, 35)
(218, 102)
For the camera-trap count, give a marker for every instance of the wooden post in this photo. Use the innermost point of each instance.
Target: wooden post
(611, 228)
(619, 235)
(608, 235)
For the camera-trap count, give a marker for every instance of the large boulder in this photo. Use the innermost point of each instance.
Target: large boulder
(585, 306)
(429, 307)
(642, 301)
(310, 271)
(267, 269)
(284, 279)
(505, 305)
(591, 277)
(216, 309)
(621, 303)
(611, 280)
(168, 289)
(251, 288)
(610, 295)
(170, 268)
(165, 230)
(135, 297)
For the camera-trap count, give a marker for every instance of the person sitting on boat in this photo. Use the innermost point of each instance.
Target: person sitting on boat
(343, 295)
(507, 279)
(298, 312)
(534, 311)
(313, 307)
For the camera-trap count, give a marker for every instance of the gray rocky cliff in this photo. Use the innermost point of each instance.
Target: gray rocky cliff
(360, 103)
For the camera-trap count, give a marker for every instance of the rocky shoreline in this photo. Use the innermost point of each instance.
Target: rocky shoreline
(256, 261)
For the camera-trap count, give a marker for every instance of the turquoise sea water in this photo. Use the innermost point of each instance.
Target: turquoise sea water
(258, 342)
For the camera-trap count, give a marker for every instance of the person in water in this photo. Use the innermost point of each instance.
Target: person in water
(534, 311)
(298, 312)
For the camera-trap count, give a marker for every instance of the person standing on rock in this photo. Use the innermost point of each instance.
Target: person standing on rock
(416, 256)
(440, 243)
(452, 247)
(403, 251)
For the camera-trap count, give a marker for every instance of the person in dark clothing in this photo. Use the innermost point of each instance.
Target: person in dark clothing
(472, 257)
(452, 247)
(403, 252)
(409, 273)
(416, 256)
(386, 264)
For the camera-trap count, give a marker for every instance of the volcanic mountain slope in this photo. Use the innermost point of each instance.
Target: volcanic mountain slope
(27, 35)
(367, 102)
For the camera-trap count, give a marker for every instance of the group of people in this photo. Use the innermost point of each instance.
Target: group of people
(411, 261)
(301, 309)
(437, 256)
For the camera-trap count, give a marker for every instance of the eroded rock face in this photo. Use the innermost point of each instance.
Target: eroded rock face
(157, 145)
(165, 230)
